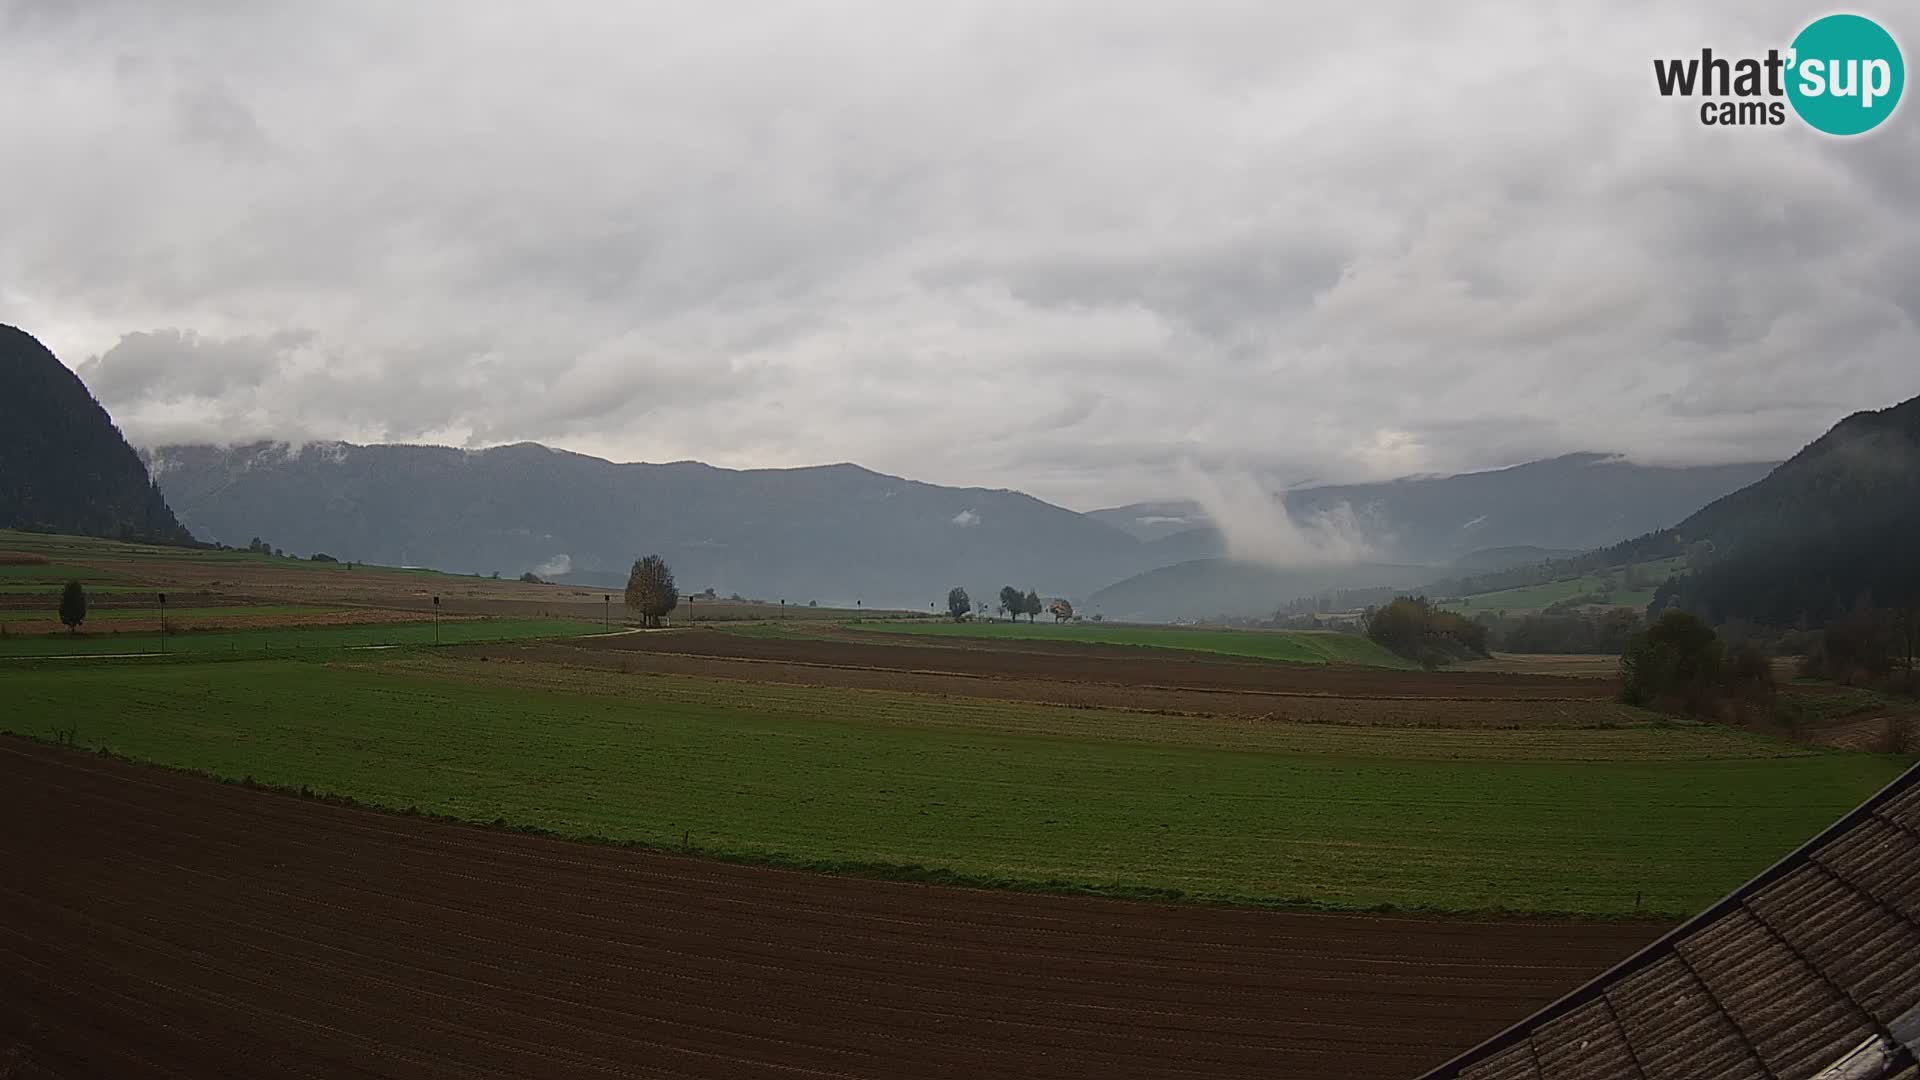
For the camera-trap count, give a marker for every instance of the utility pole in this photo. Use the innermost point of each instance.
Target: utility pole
(436, 620)
(163, 624)
(606, 613)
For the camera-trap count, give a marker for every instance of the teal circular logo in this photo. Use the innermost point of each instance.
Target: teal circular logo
(1846, 74)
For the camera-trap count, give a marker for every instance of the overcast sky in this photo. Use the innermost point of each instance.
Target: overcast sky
(1081, 249)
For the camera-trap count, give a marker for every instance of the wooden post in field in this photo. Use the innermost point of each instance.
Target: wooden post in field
(606, 612)
(436, 620)
(163, 624)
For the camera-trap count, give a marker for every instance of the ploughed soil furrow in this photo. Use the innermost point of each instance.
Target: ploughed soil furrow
(1111, 665)
(159, 924)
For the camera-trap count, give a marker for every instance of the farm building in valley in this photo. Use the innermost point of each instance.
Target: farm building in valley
(1810, 971)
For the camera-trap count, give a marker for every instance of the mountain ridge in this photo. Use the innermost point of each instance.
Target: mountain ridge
(64, 464)
(1834, 526)
(839, 532)
(836, 532)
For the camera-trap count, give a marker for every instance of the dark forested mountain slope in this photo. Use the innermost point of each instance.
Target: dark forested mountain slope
(1836, 524)
(64, 467)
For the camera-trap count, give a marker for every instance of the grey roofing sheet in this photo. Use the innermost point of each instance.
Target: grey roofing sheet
(1779, 980)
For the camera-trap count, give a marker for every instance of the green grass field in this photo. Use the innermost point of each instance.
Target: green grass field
(1295, 647)
(1534, 597)
(286, 639)
(1064, 798)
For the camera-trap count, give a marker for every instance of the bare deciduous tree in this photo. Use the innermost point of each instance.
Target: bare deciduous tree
(651, 592)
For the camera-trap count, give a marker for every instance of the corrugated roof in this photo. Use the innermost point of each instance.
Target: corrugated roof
(1813, 965)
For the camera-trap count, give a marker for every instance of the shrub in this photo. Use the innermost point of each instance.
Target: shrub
(1671, 662)
(73, 606)
(1412, 627)
(1679, 664)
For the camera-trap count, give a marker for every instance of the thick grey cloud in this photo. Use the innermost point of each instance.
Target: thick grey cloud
(1083, 249)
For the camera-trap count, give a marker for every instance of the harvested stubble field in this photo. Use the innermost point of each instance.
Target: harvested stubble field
(1654, 817)
(129, 618)
(1290, 700)
(241, 634)
(1115, 665)
(1481, 730)
(163, 925)
(30, 560)
(1297, 647)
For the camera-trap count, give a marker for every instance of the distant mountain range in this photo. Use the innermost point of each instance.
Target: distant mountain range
(1833, 526)
(1207, 588)
(840, 533)
(64, 467)
(1415, 528)
(833, 533)
(1571, 503)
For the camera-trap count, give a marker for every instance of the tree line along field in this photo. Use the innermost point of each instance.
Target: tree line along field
(1573, 821)
(1297, 647)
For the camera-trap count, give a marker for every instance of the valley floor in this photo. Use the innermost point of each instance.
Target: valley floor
(1586, 809)
(163, 925)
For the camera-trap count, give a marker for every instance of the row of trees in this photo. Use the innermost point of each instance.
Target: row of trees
(1015, 603)
(1012, 602)
(1869, 646)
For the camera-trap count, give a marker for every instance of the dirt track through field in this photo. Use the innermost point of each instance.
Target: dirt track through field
(1118, 665)
(156, 924)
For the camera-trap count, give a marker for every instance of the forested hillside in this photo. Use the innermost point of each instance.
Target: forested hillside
(1836, 526)
(64, 467)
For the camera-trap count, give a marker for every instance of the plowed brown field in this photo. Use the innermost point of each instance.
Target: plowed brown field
(1113, 665)
(156, 924)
